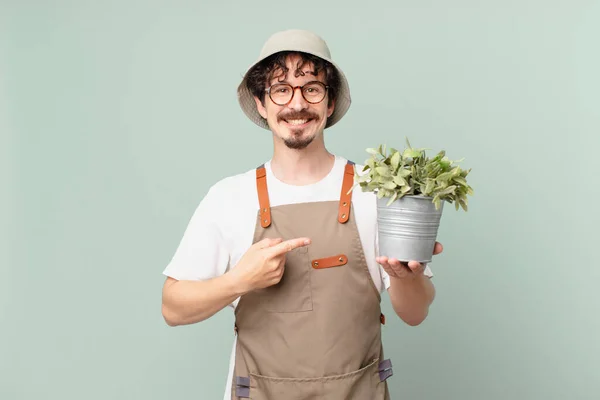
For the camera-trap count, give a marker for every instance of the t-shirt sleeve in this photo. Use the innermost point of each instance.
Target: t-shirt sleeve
(202, 252)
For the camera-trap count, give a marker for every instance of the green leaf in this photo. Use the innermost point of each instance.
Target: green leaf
(389, 185)
(393, 198)
(404, 172)
(437, 202)
(352, 188)
(429, 186)
(411, 153)
(400, 181)
(445, 163)
(446, 191)
(372, 185)
(445, 177)
(460, 180)
(383, 170)
(395, 161)
(363, 178)
(435, 171)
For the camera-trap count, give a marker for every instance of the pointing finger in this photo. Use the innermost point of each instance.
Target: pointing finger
(289, 245)
(268, 242)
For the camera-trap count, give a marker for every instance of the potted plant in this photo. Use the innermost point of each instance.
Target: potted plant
(411, 190)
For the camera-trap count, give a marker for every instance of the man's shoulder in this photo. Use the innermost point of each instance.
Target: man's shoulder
(233, 184)
(235, 192)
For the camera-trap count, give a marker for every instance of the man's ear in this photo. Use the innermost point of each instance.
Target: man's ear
(261, 109)
(330, 108)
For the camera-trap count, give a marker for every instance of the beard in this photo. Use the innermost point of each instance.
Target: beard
(296, 141)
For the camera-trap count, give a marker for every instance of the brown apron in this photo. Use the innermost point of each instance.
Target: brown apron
(317, 333)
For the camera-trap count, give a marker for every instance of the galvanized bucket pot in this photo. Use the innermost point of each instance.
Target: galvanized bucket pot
(408, 228)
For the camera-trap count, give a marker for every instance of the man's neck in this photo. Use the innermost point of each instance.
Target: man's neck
(302, 167)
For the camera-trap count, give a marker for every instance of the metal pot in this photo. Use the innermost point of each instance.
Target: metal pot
(408, 228)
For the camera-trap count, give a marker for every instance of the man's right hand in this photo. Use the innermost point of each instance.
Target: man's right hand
(190, 301)
(263, 264)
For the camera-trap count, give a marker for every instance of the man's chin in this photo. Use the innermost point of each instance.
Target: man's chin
(296, 137)
(298, 143)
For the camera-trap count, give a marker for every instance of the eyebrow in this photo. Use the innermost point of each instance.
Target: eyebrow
(286, 81)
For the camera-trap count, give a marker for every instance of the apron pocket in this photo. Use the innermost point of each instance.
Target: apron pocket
(362, 384)
(293, 292)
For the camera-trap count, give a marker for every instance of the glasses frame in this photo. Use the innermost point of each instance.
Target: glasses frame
(268, 91)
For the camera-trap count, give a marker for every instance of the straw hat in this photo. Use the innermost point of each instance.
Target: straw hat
(295, 40)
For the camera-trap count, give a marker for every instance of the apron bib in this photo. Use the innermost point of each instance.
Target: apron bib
(317, 333)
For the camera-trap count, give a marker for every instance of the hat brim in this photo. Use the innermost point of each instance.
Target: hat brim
(248, 104)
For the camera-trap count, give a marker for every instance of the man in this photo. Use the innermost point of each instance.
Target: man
(291, 251)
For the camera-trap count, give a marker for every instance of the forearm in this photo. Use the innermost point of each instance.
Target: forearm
(411, 298)
(187, 302)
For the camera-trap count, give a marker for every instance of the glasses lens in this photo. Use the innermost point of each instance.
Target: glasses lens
(314, 92)
(281, 93)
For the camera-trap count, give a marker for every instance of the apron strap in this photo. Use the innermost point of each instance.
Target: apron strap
(263, 196)
(345, 197)
(265, 207)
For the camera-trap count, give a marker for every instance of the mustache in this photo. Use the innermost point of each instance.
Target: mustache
(297, 115)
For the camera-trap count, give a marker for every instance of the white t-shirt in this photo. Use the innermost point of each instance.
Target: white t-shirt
(222, 227)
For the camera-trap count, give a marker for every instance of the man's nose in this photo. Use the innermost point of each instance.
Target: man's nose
(298, 102)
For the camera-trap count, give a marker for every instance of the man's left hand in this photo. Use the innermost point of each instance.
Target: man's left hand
(397, 269)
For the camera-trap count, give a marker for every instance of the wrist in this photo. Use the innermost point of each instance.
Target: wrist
(236, 283)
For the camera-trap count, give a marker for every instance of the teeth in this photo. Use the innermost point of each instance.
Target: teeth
(297, 121)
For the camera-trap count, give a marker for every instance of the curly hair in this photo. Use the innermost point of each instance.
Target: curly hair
(267, 69)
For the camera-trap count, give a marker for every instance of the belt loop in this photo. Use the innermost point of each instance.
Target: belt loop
(242, 386)
(385, 370)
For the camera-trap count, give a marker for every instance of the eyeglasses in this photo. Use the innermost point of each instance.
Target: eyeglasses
(282, 93)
